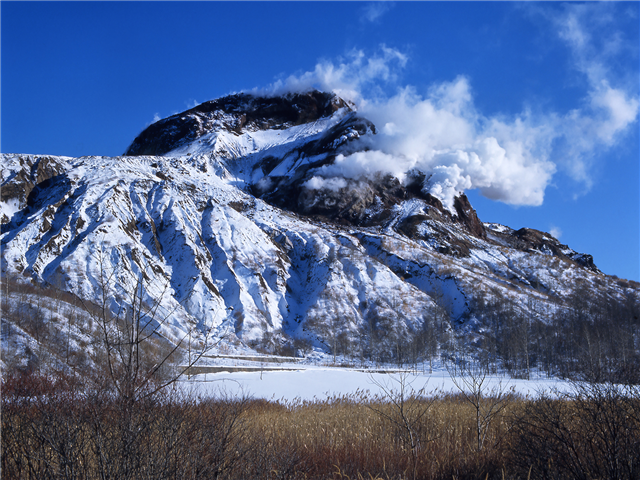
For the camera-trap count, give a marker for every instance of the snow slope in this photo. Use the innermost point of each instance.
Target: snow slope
(232, 262)
(229, 234)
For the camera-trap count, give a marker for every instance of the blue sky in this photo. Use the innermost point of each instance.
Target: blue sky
(543, 97)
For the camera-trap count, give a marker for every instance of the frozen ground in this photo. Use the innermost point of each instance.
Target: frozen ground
(310, 383)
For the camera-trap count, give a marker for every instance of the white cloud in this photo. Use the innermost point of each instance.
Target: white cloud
(507, 158)
(372, 12)
(608, 110)
(156, 118)
(457, 148)
(615, 111)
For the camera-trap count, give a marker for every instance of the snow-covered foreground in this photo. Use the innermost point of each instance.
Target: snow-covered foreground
(321, 383)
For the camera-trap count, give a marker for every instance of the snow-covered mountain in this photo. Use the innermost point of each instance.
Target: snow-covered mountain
(225, 213)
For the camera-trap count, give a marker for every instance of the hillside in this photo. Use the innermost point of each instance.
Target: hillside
(224, 215)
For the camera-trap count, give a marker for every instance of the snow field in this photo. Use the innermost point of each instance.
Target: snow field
(321, 383)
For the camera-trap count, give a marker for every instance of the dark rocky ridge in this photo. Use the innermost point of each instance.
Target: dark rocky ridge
(535, 241)
(236, 112)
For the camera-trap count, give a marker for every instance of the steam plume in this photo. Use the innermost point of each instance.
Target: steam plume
(442, 134)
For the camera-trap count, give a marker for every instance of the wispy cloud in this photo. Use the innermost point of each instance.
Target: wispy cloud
(354, 76)
(372, 12)
(610, 105)
(556, 232)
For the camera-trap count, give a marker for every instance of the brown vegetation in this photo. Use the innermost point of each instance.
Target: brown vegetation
(56, 428)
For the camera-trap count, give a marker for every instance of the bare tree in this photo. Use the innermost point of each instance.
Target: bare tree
(137, 359)
(408, 410)
(471, 379)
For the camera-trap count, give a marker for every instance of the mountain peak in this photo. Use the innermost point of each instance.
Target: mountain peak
(235, 113)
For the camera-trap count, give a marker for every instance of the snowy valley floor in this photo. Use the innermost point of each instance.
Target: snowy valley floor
(315, 382)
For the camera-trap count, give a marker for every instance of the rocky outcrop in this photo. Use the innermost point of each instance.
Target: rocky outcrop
(468, 217)
(370, 201)
(234, 113)
(534, 241)
(26, 187)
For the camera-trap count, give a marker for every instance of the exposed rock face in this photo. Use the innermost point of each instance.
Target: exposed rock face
(234, 113)
(284, 190)
(467, 216)
(30, 185)
(535, 241)
(363, 202)
(37, 171)
(528, 239)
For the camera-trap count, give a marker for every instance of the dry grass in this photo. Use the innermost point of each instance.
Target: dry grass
(60, 429)
(352, 437)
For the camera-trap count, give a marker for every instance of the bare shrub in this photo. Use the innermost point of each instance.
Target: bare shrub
(592, 432)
